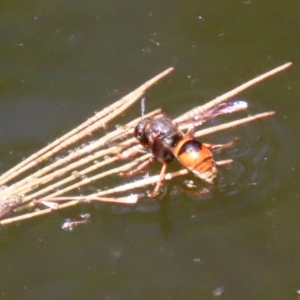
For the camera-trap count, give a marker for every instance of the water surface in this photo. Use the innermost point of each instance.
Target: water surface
(61, 61)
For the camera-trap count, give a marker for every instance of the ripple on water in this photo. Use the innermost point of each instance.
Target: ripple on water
(247, 179)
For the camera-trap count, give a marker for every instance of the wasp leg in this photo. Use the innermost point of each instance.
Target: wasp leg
(129, 153)
(222, 146)
(139, 168)
(160, 180)
(189, 133)
(224, 162)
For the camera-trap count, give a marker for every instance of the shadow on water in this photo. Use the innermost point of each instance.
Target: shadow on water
(257, 171)
(155, 232)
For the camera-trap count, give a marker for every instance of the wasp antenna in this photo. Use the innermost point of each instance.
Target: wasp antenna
(143, 106)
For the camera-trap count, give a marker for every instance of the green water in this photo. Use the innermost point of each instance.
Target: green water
(62, 60)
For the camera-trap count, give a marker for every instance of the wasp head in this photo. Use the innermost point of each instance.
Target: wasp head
(140, 132)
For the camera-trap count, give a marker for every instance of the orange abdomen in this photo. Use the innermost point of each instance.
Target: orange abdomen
(197, 158)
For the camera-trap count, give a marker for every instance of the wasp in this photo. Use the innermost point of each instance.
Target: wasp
(164, 138)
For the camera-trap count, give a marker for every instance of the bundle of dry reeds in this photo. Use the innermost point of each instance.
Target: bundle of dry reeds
(25, 193)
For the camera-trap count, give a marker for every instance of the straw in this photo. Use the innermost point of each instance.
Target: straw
(49, 185)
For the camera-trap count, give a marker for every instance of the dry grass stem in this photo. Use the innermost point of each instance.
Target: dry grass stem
(86, 164)
(230, 94)
(232, 124)
(97, 121)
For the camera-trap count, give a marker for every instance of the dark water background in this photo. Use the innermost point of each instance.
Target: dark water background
(62, 60)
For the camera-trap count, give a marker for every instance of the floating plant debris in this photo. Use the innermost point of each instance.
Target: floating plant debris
(47, 190)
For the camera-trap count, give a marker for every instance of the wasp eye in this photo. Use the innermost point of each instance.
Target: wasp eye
(140, 132)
